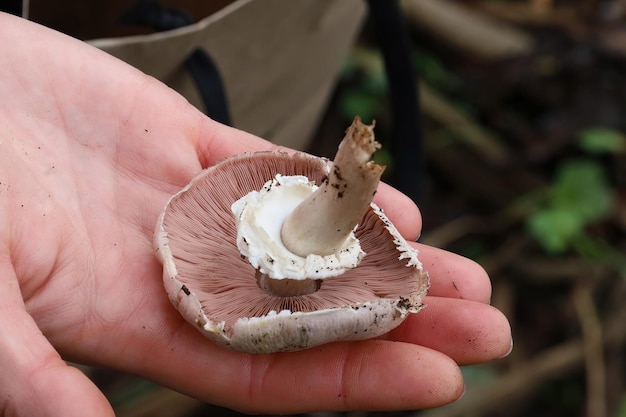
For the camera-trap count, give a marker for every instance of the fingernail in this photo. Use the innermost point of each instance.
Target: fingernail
(462, 392)
(508, 352)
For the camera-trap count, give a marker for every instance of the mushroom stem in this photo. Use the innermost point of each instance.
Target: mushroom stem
(321, 223)
(286, 287)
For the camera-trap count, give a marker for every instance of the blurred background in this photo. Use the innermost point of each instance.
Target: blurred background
(508, 130)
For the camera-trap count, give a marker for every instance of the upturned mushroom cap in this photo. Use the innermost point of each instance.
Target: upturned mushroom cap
(216, 289)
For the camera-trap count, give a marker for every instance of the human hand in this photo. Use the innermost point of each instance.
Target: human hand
(90, 151)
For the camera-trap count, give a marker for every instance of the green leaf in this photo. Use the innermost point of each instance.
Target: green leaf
(579, 195)
(582, 188)
(555, 228)
(601, 140)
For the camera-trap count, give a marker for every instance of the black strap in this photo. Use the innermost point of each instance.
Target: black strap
(209, 84)
(12, 6)
(201, 67)
(406, 145)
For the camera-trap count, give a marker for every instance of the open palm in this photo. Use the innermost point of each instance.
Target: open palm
(90, 151)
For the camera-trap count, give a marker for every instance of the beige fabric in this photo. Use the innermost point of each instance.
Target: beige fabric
(278, 59)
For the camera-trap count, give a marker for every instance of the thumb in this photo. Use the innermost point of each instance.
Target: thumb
(35, 381)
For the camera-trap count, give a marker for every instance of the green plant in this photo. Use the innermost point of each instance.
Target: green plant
(579, 196)
(601, 140)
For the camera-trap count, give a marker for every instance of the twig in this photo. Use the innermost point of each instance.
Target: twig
(523, 13)
(551, 270)
(593, 349)
(467, 29)
(452, 231)
(438, 108)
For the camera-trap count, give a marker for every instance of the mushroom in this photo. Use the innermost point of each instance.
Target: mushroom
(267, 252)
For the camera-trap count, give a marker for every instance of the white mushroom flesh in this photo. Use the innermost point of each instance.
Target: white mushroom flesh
(260, 216)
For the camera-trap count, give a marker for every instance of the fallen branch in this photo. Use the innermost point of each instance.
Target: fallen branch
(441, 110)
(595, 367)
(468, 30)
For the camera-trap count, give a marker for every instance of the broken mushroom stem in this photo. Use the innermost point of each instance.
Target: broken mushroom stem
(296, 233)
(321, 224)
